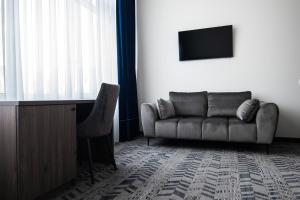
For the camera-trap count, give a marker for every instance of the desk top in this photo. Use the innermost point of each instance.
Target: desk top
(43, 102)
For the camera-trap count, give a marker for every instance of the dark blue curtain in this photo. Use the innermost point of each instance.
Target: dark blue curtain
(128, 106)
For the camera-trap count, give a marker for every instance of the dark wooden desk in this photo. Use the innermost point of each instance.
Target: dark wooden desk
(38, 145)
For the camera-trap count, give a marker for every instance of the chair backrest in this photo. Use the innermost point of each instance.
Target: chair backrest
(102, 114)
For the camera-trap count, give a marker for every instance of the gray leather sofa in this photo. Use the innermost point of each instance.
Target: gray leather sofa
(211, 116)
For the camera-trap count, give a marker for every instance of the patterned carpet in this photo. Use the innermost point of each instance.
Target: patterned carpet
(170, 169)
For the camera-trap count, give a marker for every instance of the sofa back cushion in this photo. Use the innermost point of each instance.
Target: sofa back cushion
(189, 103)
(225, 104)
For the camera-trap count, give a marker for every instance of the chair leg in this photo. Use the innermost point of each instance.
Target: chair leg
(110, 149)
(148, 141)
(90, 161)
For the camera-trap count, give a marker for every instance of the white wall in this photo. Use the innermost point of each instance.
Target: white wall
(266, 52)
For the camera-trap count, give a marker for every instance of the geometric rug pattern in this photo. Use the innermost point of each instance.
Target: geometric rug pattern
(191, 170)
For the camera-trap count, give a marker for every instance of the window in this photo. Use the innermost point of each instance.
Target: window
(67, 47)
(2, 88)
(56, 49)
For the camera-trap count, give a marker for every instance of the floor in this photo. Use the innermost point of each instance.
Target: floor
(176, 169)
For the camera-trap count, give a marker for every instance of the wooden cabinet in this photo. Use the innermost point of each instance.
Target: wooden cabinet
(8, 153)
(37, 149)
(47, 148)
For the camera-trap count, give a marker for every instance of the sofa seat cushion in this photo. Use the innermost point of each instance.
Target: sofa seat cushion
(240, 131)
(225, 104)
(166, 128)
(190, 128)
(189, 104)
(215, 129)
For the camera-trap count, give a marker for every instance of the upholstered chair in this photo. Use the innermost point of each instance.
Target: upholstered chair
(99, 123)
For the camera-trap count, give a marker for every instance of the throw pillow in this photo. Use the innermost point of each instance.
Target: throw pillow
(165, 109)
(247, 110)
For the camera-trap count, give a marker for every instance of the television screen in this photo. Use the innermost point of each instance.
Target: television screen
(205, 43)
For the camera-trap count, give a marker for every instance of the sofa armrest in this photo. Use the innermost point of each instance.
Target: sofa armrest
(266, 121)
(149, 115)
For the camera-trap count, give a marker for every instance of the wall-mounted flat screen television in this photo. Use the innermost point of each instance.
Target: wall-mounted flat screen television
(206, 43)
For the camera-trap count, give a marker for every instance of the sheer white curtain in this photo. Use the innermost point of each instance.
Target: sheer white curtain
(68, 47)
(59, 49)
(1, 48)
